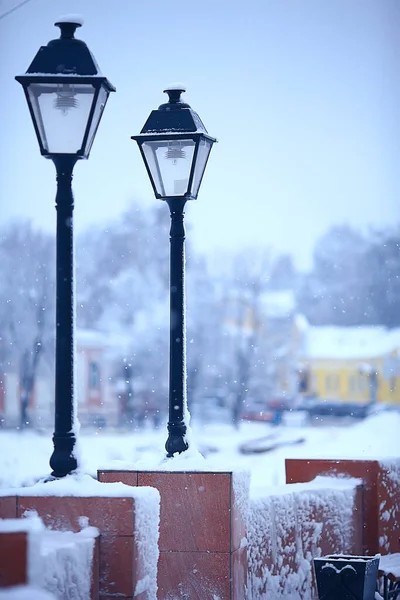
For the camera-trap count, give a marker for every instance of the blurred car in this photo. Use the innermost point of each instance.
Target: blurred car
(268, 412)
(324, 408)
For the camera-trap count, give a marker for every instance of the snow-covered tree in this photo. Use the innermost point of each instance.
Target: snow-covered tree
(354, 280)
(205, 317)
(123, 268)
(382, 274)
(27, 305)
(334, 292)
(242, 354)
(122, 288)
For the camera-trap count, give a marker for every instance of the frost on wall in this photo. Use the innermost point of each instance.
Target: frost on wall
(240, 489)
(147, 518)
(285, 531)
(67, 563)
(389, 505)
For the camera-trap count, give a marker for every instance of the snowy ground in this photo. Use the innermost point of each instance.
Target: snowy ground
(24, 456)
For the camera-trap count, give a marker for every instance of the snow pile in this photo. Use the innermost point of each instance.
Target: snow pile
(58, 562)
(83, 486)
(286, 529)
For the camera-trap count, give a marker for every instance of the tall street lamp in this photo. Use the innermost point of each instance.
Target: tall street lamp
(66, 95)
(175, 147)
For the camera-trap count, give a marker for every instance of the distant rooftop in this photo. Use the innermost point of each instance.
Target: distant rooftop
(350, 342)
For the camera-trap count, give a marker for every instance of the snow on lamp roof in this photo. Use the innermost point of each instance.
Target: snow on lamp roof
(72, 18)
(180, 87)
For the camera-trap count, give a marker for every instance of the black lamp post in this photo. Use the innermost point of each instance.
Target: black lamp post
(66, 96)
(175, 147)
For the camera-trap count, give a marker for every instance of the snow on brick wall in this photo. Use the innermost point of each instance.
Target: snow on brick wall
(58, 562)
(389, 505)
(291, 526)
(67, 558)
(147, 519)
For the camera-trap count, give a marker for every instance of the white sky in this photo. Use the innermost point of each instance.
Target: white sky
(303, 96)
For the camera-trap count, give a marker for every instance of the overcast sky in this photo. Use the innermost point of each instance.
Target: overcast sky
(303, 96)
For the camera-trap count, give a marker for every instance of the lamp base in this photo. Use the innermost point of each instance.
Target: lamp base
(176, 442)
(63, 461)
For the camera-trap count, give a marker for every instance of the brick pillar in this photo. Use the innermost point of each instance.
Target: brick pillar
(202, 543)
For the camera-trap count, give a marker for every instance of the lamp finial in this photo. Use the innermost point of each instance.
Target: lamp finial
(68, 25)
(174, 92)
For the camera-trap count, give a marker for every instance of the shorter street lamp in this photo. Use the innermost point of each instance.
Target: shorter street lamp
(66, 96)
(175, 147)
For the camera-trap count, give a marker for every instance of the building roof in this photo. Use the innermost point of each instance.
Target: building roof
(330, 342)
(91, 338)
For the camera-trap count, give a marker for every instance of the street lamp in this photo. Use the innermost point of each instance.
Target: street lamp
(175, 147)
(66, 96)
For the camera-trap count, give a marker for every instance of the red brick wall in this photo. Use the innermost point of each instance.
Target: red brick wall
(381, 495)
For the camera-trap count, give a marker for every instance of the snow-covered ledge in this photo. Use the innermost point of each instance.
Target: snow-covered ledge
(127, 519)
(60, 563)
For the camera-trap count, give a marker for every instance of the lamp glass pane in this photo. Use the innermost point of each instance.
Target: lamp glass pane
(61, 111)
(149, 151)
(98, 113)
(170, 163)
(201, 161)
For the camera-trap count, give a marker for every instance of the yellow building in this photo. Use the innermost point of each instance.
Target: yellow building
(345, 364)
(350, 364)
